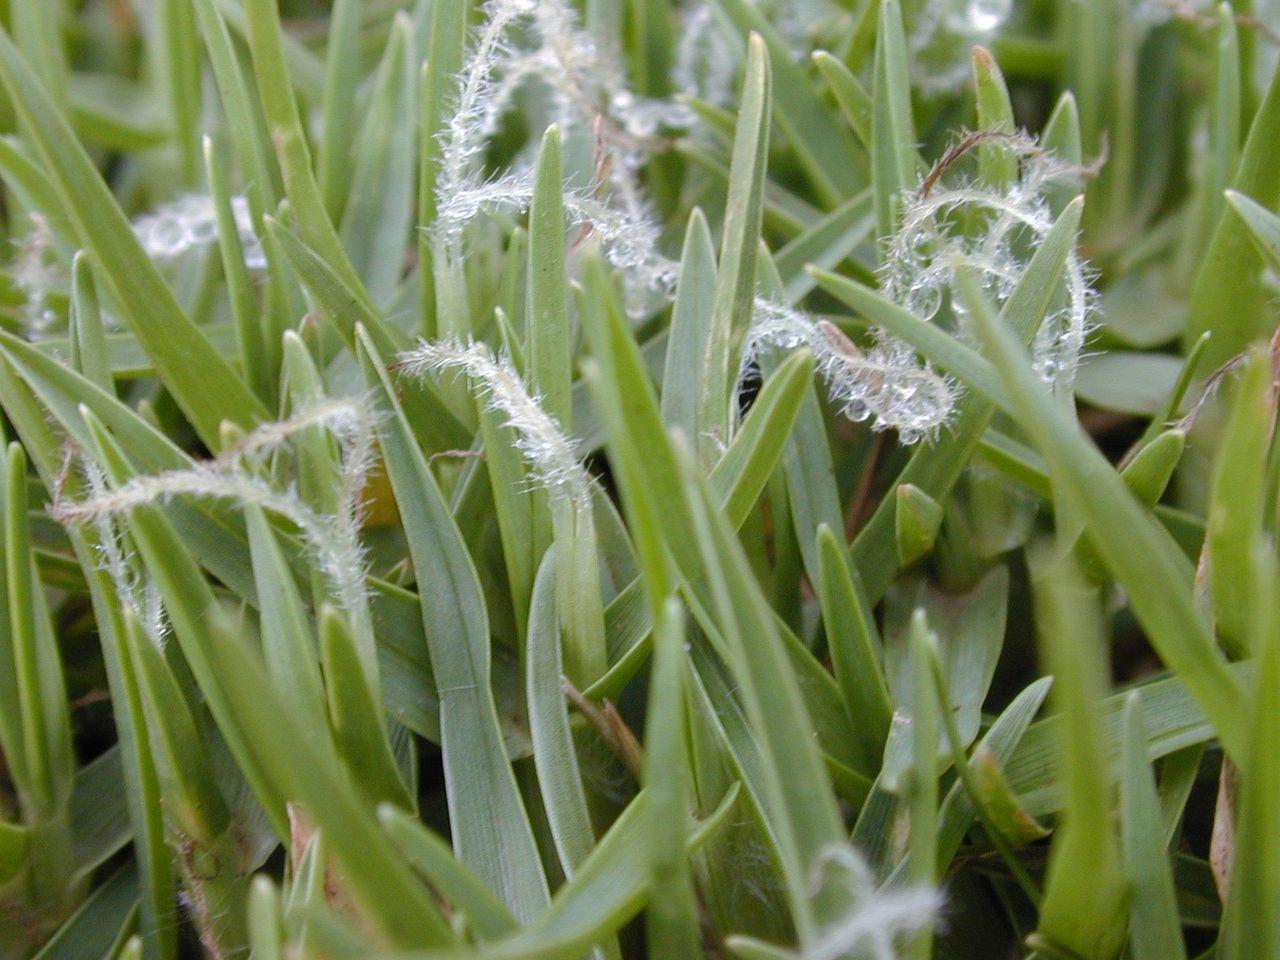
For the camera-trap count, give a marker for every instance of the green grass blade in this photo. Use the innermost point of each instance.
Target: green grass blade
(521, 510)
(997, 746)
(609, 888)
(851, 96)
(1085, 895)
(177, 52)
(45, 759)
(893, 151)
(922, 846)
(825, 244)
(193, 803)
(88, 338)
(268, 741)
(202, 382)
(1223, 153)
(1251, 924)
(854, 645)
(377, 219)
(258, 351)
(1154, 930)
(671, 921)
(824, 148)
(740, 475)
(1226, 298)
(799, 798)
(1263, 226)
(37, 28)
(811, 483)
(549, 344)
(92, 930)
(431, 857)
(284, 124)
(142, 791)
(491, 831)
(446, 49)
(356, 715)
(997, 165)
(288, 644)
(334, 155)
(736, 275)
(554, 756)
(691, 320)
(1237, 502)
(1135, 548)
(243, 112)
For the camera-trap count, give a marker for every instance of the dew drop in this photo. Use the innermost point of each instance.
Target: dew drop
(984, 16)
(857, 411)
(924, 299)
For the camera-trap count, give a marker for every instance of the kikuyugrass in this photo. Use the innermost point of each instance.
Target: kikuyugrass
(545, 479)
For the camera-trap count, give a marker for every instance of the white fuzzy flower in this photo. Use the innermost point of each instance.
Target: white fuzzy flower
(885, 384)
(706, 57)
(992, 232)
(37, 273)
(878, 919)
(941, 34)
(874, 922)
(237, 476)
(191, 221)
(549, 452)
(589, 92)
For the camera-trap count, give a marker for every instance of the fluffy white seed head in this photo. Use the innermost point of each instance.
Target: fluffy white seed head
(706, 62)
(549, 452)
(885, 384)
(941, 34)
(238, 476)
(135, 590)
(588, 92)
(36, 271)
(878, 918)
(190, 222)
(992, 232)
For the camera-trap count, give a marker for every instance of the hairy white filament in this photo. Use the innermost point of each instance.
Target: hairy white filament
(878, 917)
(887, 385)
(589, 92)
(334, 538)
(549, 452)
(191, 221)
(993, 232)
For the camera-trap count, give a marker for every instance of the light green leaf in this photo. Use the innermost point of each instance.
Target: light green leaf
(893, 152)
(854, 645)
(375, 227)
(736, 274)
(554, 756)
(1263, 225)
(1135, 548)
(491, 832)
(202, 382)
(1227, 297)
(355, 715)
(691, 319)
(549, 344)
(671, 920)
(1154, 930)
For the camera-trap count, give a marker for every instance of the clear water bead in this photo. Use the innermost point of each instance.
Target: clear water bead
(857, 411)
(983, 16)
(924, 299)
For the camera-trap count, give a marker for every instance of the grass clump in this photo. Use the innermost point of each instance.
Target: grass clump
(709, 479)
